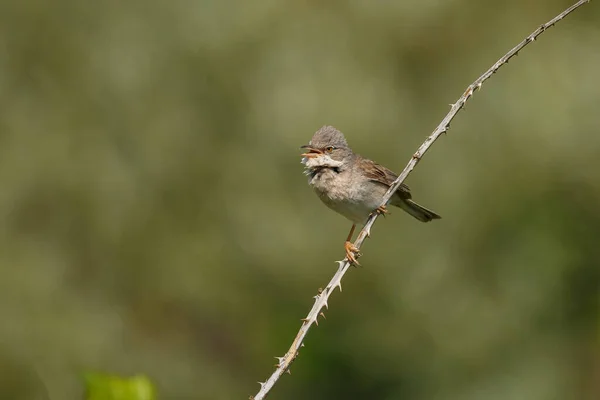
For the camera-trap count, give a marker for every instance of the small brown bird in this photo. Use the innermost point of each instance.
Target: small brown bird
(352, 185)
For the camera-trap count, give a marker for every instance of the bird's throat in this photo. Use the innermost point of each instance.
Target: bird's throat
(316, 166)
(314, 171)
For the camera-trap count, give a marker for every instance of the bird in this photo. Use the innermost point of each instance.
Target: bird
(352, 185)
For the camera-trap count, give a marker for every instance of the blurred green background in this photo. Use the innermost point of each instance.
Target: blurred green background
(155, 219)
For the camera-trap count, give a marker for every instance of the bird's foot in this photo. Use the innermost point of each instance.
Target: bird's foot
(382, 210)
(352, 252)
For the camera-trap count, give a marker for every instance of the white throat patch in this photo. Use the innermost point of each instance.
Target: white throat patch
(321, 161)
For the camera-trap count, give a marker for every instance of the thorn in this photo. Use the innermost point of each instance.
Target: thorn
(320, 290)
(279, 359)
(339, 285)
(304, 320)
(322, 315)
(325, 304)
(369, 232)
(261, 384)
(316, 322)
(302, 344)
(288, 371)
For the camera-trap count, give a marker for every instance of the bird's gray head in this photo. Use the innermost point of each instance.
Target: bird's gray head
(328, 136)
(327, 148)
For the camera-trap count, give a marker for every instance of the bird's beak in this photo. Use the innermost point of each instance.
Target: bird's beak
(311, 153)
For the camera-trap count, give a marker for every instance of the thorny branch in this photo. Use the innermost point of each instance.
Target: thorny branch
(322, 298)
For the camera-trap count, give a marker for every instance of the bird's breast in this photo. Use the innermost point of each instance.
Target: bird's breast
(342, 193)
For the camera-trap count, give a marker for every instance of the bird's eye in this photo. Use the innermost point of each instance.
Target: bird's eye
(329, 149)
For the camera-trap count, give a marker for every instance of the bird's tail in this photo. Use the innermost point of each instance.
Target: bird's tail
(419, 212)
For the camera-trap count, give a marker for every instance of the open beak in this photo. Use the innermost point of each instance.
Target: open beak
(311, 153)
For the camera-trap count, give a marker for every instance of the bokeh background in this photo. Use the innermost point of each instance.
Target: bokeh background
(154, 217)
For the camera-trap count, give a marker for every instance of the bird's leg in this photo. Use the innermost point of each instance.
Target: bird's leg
(352, 252)
(351, 233)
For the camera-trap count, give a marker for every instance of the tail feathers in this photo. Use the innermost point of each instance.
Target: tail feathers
(419, 212)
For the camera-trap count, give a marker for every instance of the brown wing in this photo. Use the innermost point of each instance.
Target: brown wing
(379, 173)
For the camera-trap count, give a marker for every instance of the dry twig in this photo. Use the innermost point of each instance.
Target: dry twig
(321, 299)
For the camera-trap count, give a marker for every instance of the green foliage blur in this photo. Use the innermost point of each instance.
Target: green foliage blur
(155, 219)
(108, 387)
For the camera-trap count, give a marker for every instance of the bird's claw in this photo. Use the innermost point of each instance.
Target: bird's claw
(382, 210)
(352, 252)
